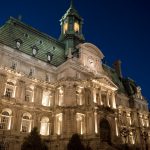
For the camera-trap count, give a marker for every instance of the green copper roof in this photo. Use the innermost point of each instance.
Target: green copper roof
(72, 12)
(114, 77)
(30, 37)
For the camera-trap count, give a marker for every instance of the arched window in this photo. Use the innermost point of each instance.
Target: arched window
(5, 119)
(59, 119)
(26, 122)
(45, 126)
(80, 123)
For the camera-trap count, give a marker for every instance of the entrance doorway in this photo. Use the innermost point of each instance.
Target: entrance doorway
(105, 131)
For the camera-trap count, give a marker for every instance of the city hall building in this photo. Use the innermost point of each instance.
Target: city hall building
(62, 87)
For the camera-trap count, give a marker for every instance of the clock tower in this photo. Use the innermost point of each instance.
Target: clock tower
(71, 29)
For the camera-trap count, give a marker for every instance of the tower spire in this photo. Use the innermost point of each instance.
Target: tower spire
(71, 4)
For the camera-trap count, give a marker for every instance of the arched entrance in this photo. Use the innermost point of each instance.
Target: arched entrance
(105, 131)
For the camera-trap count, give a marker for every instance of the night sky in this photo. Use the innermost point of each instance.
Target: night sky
(120, 28)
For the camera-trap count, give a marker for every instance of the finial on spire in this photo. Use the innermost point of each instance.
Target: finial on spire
(71, 4)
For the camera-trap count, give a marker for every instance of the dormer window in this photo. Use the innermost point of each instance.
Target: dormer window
(34, 50)
(18, 43)
(49, 57)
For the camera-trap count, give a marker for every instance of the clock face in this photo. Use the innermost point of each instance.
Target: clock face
(91, 62)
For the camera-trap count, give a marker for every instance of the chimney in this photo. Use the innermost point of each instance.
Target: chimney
(117, 67)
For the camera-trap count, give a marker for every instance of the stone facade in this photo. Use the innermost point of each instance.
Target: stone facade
(81, 95)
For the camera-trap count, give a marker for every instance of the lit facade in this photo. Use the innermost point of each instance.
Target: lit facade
(62, 87)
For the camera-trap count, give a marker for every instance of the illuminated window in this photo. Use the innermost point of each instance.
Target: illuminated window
(76, 27)
(47, 98)
(44, 129)
(5, 119)
(60, 96)
(65, 27)
(29, 95)
(26, 123)
(79, 95)
(80, 118)
(10, 90)
(59, 120)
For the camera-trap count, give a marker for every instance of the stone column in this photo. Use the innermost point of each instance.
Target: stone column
(107, 99)
(100, 96)
(113, 101)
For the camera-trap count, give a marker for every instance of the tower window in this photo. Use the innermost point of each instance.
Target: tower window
(76, 27)
(65, 27)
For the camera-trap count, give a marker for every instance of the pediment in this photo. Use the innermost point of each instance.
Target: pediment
(91, 48)
(104, 81)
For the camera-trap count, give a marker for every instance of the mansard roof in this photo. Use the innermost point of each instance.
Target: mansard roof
(16, 30)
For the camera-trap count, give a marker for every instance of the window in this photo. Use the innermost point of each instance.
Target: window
(18, 43)
(10, 90)
(60, 96)
(14, 65)
(32, 71)
(79, 95)
(29, 94)
(26, 123)
(65, 27)
(76, 27)
(49, 57)
(47, 98)
(80, 123)
(5, 119)
(34, 51)
(45, 126)
(59, 124)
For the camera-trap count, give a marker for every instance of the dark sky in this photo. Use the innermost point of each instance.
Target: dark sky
(120, 28)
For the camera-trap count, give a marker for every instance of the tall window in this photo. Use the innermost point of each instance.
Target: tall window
(45, 126)
(26, 123)
(29, 95)
(47, 98)
(5, 119)
(65, 27)
(60, 96)
(79, 94)
(10, 90)
(76, 27)
(80, 118)
(59, 120)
